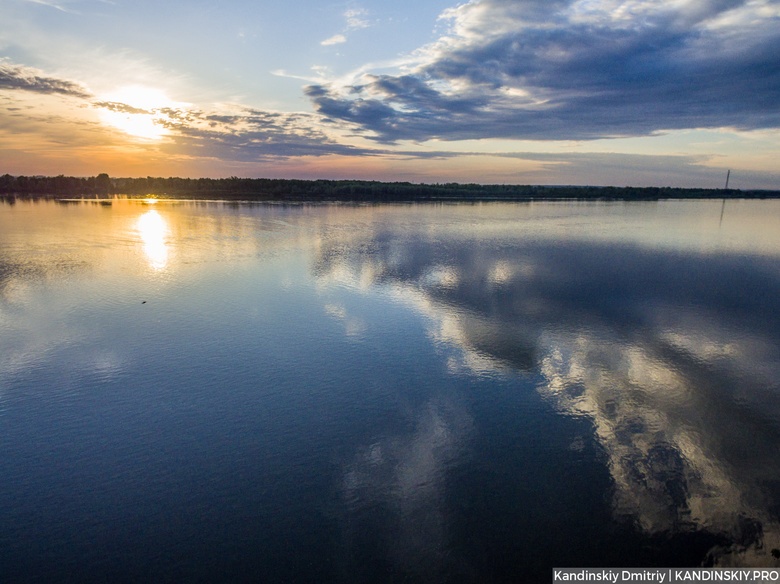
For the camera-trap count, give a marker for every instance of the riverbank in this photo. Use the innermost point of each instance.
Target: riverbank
(293, 190)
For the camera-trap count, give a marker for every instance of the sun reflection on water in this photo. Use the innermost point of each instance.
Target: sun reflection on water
(153, 230)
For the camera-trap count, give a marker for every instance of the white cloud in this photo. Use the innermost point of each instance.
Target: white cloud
(50, 4)
(356, 18)
(336, 39)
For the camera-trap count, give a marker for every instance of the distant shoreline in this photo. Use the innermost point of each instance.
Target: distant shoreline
(348, 191)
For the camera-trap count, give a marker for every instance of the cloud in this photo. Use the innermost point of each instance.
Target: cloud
(31, 79)
(50, 4)
(224, 132)
(245, 134)
(593, 168)
(62, 6)
(571, 69)
(234, 133)
(121, 107)
(355, 20)
(336, 39)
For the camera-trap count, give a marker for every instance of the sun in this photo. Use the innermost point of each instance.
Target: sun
(137, 110)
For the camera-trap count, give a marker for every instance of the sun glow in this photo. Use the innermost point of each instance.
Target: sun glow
(137, 110)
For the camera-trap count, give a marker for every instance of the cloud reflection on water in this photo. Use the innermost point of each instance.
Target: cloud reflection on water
(394, 490)
(672, 355)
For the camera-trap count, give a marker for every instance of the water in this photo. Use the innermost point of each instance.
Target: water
(205, 392)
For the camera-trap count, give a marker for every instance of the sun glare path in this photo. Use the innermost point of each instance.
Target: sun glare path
(153, 231)
(137, 111)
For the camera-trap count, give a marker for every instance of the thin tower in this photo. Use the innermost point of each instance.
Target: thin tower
(723, 206)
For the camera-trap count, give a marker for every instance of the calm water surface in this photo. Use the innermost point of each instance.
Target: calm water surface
(206, 392)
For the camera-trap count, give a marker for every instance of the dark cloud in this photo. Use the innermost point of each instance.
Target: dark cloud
(252, 145)
(249, 135)
(566, 70)
(122, 108)
(30, 79)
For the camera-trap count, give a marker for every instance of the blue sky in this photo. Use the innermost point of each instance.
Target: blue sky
(614, 92)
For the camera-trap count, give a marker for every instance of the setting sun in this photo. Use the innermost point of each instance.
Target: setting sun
(136, 111)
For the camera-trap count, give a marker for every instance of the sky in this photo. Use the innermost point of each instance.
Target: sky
(588, 92)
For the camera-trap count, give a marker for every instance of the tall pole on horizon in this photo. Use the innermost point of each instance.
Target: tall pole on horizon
(723, 206)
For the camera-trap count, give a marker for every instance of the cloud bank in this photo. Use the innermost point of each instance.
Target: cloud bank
(246, 134)
(230, 132)
(575, 69)
(14, 76)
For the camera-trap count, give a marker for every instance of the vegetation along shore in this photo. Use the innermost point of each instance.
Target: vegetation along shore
(264, 189)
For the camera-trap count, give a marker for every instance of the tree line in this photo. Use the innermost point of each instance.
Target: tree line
(264, 189)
